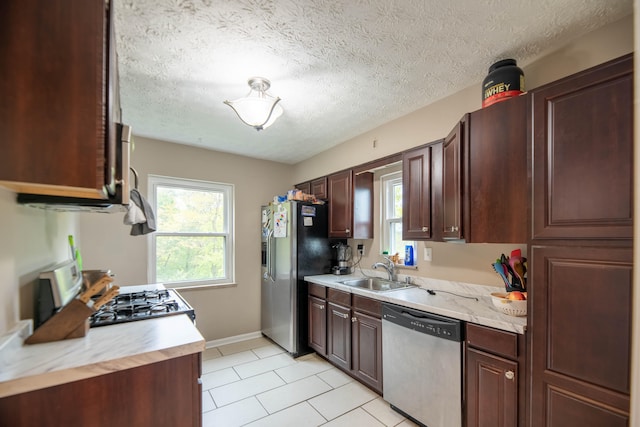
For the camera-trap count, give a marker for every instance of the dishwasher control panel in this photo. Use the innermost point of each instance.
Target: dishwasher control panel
(420, 321)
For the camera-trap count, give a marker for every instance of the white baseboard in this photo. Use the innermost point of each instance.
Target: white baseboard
(231, 340)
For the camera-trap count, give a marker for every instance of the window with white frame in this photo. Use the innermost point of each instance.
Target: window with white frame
(193, 242)
(391, 214)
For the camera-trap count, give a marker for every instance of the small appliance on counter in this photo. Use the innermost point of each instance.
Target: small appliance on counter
(55, 289)
(343, 255)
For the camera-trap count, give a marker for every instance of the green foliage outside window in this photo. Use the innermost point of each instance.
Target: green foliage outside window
(190, 237)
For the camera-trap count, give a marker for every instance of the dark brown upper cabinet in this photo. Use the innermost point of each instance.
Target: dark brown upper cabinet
(422, 192)
(452, 180)
(319, 188)
(485, 175)
(350, 205)
(583, 154)
(497, 183)
(340, 186)
(58, 97)
(305, 187)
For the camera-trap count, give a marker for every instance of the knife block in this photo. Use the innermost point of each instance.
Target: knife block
(71, 322)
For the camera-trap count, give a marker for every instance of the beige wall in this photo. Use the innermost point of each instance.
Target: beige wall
(220, 312)
(31, 241)
(436, 120)
(468, 263)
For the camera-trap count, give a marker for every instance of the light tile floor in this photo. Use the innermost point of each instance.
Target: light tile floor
(255, 383)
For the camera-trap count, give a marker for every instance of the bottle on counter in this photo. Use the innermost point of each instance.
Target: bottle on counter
(408, 255)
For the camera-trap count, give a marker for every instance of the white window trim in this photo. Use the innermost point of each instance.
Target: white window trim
(387, 182)
(153, 182)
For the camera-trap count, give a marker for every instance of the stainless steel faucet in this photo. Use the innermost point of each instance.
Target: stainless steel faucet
(389, 266)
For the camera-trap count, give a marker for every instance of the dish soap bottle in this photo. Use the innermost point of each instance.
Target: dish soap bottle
(408, 255)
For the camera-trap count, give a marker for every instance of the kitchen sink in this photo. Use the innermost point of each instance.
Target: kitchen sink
(376, 284)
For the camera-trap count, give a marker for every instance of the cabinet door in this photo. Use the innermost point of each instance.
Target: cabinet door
(492, 390)
(367, 349)
(340, 204)
(498, 186)
(583, 154)
(416, 194)
(128, 397)
(56, 97)
(452, 183)
(339, 336)
(319, 188)
(580, 311)
(318, 325)
(305, 187)
(363, 206)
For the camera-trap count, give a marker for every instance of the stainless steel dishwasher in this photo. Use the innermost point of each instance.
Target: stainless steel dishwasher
(422, 365)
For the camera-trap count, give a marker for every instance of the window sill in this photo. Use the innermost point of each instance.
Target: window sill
(202, 286)
(405, 267)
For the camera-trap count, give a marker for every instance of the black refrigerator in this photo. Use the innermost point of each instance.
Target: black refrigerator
(295, 244)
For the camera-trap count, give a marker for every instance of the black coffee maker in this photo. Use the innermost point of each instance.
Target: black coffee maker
(343, 256)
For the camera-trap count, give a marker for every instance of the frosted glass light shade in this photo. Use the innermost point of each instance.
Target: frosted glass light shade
(258, 109)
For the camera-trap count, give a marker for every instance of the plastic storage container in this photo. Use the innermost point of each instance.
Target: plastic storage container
(505, 80)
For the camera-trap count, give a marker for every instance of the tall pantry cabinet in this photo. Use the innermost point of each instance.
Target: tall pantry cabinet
(580, 266)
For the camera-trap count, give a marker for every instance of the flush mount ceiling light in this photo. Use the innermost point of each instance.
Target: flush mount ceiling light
(258, 109)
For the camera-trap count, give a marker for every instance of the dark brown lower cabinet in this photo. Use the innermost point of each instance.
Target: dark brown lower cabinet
(347, 330)
(366, 350)
(492, 388)
(495, 384)
(339, 335)
(318, 325)
(581, 339)
(167, 394)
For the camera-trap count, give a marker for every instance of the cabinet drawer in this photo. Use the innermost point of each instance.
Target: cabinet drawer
(317, 290)
(367, 305)
(493, 340)
(339, 297)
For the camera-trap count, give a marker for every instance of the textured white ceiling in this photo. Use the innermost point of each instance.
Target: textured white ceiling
(341, 67)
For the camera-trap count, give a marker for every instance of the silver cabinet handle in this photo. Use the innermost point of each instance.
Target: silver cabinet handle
(348, 230)
(509, 375)
(354, 319)
(452, 229)
(344, 316)
(425, 229)
(322, 307)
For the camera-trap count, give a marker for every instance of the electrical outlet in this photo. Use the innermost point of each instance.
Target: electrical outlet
(427, 254)
(360, 249)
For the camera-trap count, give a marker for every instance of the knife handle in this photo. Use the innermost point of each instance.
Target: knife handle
(115, 290)
(95, 288)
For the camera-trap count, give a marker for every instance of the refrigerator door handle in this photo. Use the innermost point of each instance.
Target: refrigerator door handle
(271, 268)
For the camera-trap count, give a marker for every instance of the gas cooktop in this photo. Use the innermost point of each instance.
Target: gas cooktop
(128, 307)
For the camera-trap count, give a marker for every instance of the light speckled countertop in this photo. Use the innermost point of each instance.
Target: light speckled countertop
(103, 350)
(481, 312)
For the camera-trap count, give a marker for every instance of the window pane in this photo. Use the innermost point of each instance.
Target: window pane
(183, 210)
(396, 243)
(397, 200)
(180, 258)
